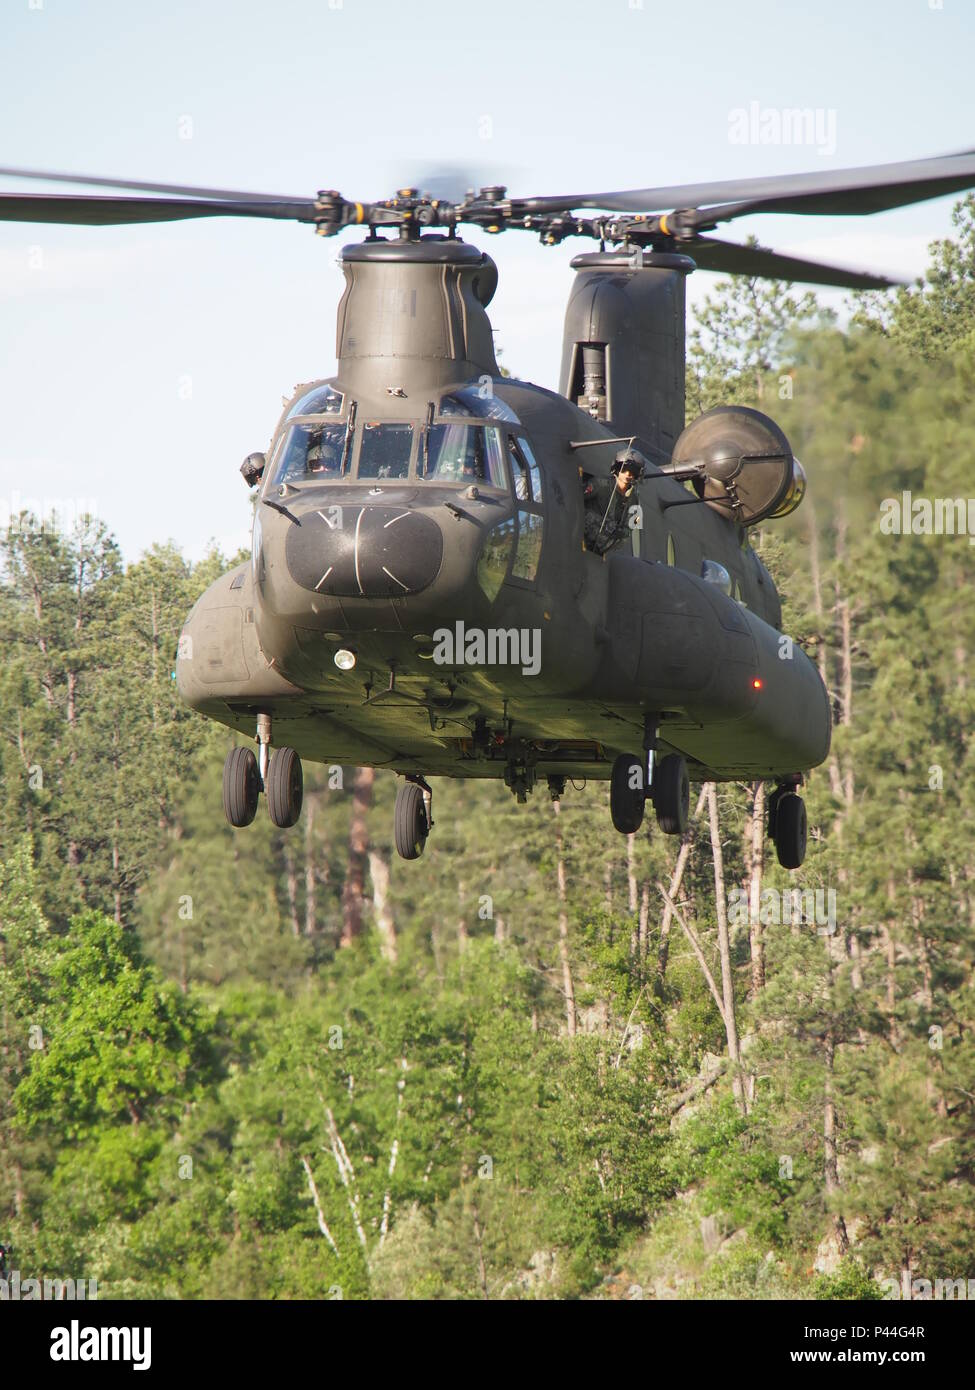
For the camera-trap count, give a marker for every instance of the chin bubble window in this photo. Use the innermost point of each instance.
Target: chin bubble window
(385, 450)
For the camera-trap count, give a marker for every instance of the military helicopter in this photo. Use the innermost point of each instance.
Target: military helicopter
(430, 590)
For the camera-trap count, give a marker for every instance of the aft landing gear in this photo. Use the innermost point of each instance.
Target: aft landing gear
(669, 794)
(627, 793)
(246, 776)
(241, 786)
(284, 787)
(787, 825)
(412, 817)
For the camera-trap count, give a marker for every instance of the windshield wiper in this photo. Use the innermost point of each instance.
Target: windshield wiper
(280, 507)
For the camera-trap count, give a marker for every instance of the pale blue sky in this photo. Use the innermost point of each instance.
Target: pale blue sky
(139, 365)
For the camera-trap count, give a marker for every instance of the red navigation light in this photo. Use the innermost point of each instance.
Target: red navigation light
(757, 683)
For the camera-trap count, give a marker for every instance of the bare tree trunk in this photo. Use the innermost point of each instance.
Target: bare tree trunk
(698, 950)
(346, 1172)
(830, 1164)
(311, 876)
(567, 989)
(322, 1223)
(817, 585)
(644, 920)
(836, 785)
(845, 655)
(724, 948)
(435, 948)
(676, 879)
(462, 936)
(291, 878)
(479, 1239)
(353, 892)
(631, 897)
(756, 868)
(631, 872)
(890, 955)
(379, 873)
(116, 864)
(393, 1152)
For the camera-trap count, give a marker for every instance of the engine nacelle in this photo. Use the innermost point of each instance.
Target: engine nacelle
(748, 470)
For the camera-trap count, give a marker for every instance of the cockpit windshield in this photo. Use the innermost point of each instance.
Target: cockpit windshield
(310, 452)
(385, 450)
(462, 454)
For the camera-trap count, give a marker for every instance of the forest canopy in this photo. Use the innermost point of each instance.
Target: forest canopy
(549, 1060)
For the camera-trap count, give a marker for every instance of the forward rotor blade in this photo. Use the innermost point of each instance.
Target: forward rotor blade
(730, 258)
(135, 186)
(841, 192)
(96, 211)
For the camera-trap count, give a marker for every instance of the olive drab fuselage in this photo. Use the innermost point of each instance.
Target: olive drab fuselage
(427, 515)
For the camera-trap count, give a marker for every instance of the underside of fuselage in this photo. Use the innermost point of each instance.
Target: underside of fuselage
(399, 709)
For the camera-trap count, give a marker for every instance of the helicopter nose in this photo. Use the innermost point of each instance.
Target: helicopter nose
(364, 552)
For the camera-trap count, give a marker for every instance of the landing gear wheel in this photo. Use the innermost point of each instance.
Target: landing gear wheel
(790, 830)
(627, 793)
(241, 786)
(285, 787)
(410, 827)
(672, 794)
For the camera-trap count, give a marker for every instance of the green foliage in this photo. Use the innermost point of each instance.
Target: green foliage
(120, 1043)
(851, 1281)
(204, 1093)
(741, 339)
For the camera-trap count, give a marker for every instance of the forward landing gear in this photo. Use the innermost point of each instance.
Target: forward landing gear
(412, 817)
(246, 776)
(787, 825)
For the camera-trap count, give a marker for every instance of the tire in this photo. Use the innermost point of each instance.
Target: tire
(627, 794)
(241, 786)
(790, 830)
(672, 794)
(285, 788)
(410, 827)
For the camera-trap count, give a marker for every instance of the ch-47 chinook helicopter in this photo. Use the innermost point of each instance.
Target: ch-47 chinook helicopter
(421, 596)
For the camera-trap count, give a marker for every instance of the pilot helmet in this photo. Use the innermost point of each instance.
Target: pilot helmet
(631, 460)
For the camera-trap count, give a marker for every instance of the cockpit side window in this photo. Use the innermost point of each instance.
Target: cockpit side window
(460, 453)
(310, 451)
(522, 459)
(385, 449)
(519, 471)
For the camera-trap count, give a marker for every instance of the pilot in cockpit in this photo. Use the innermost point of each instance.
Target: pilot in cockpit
(325, 449)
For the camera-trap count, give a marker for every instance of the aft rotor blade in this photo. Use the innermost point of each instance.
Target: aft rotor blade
(96, 211)
(840, 192)
(730, 258)
(136, 186)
